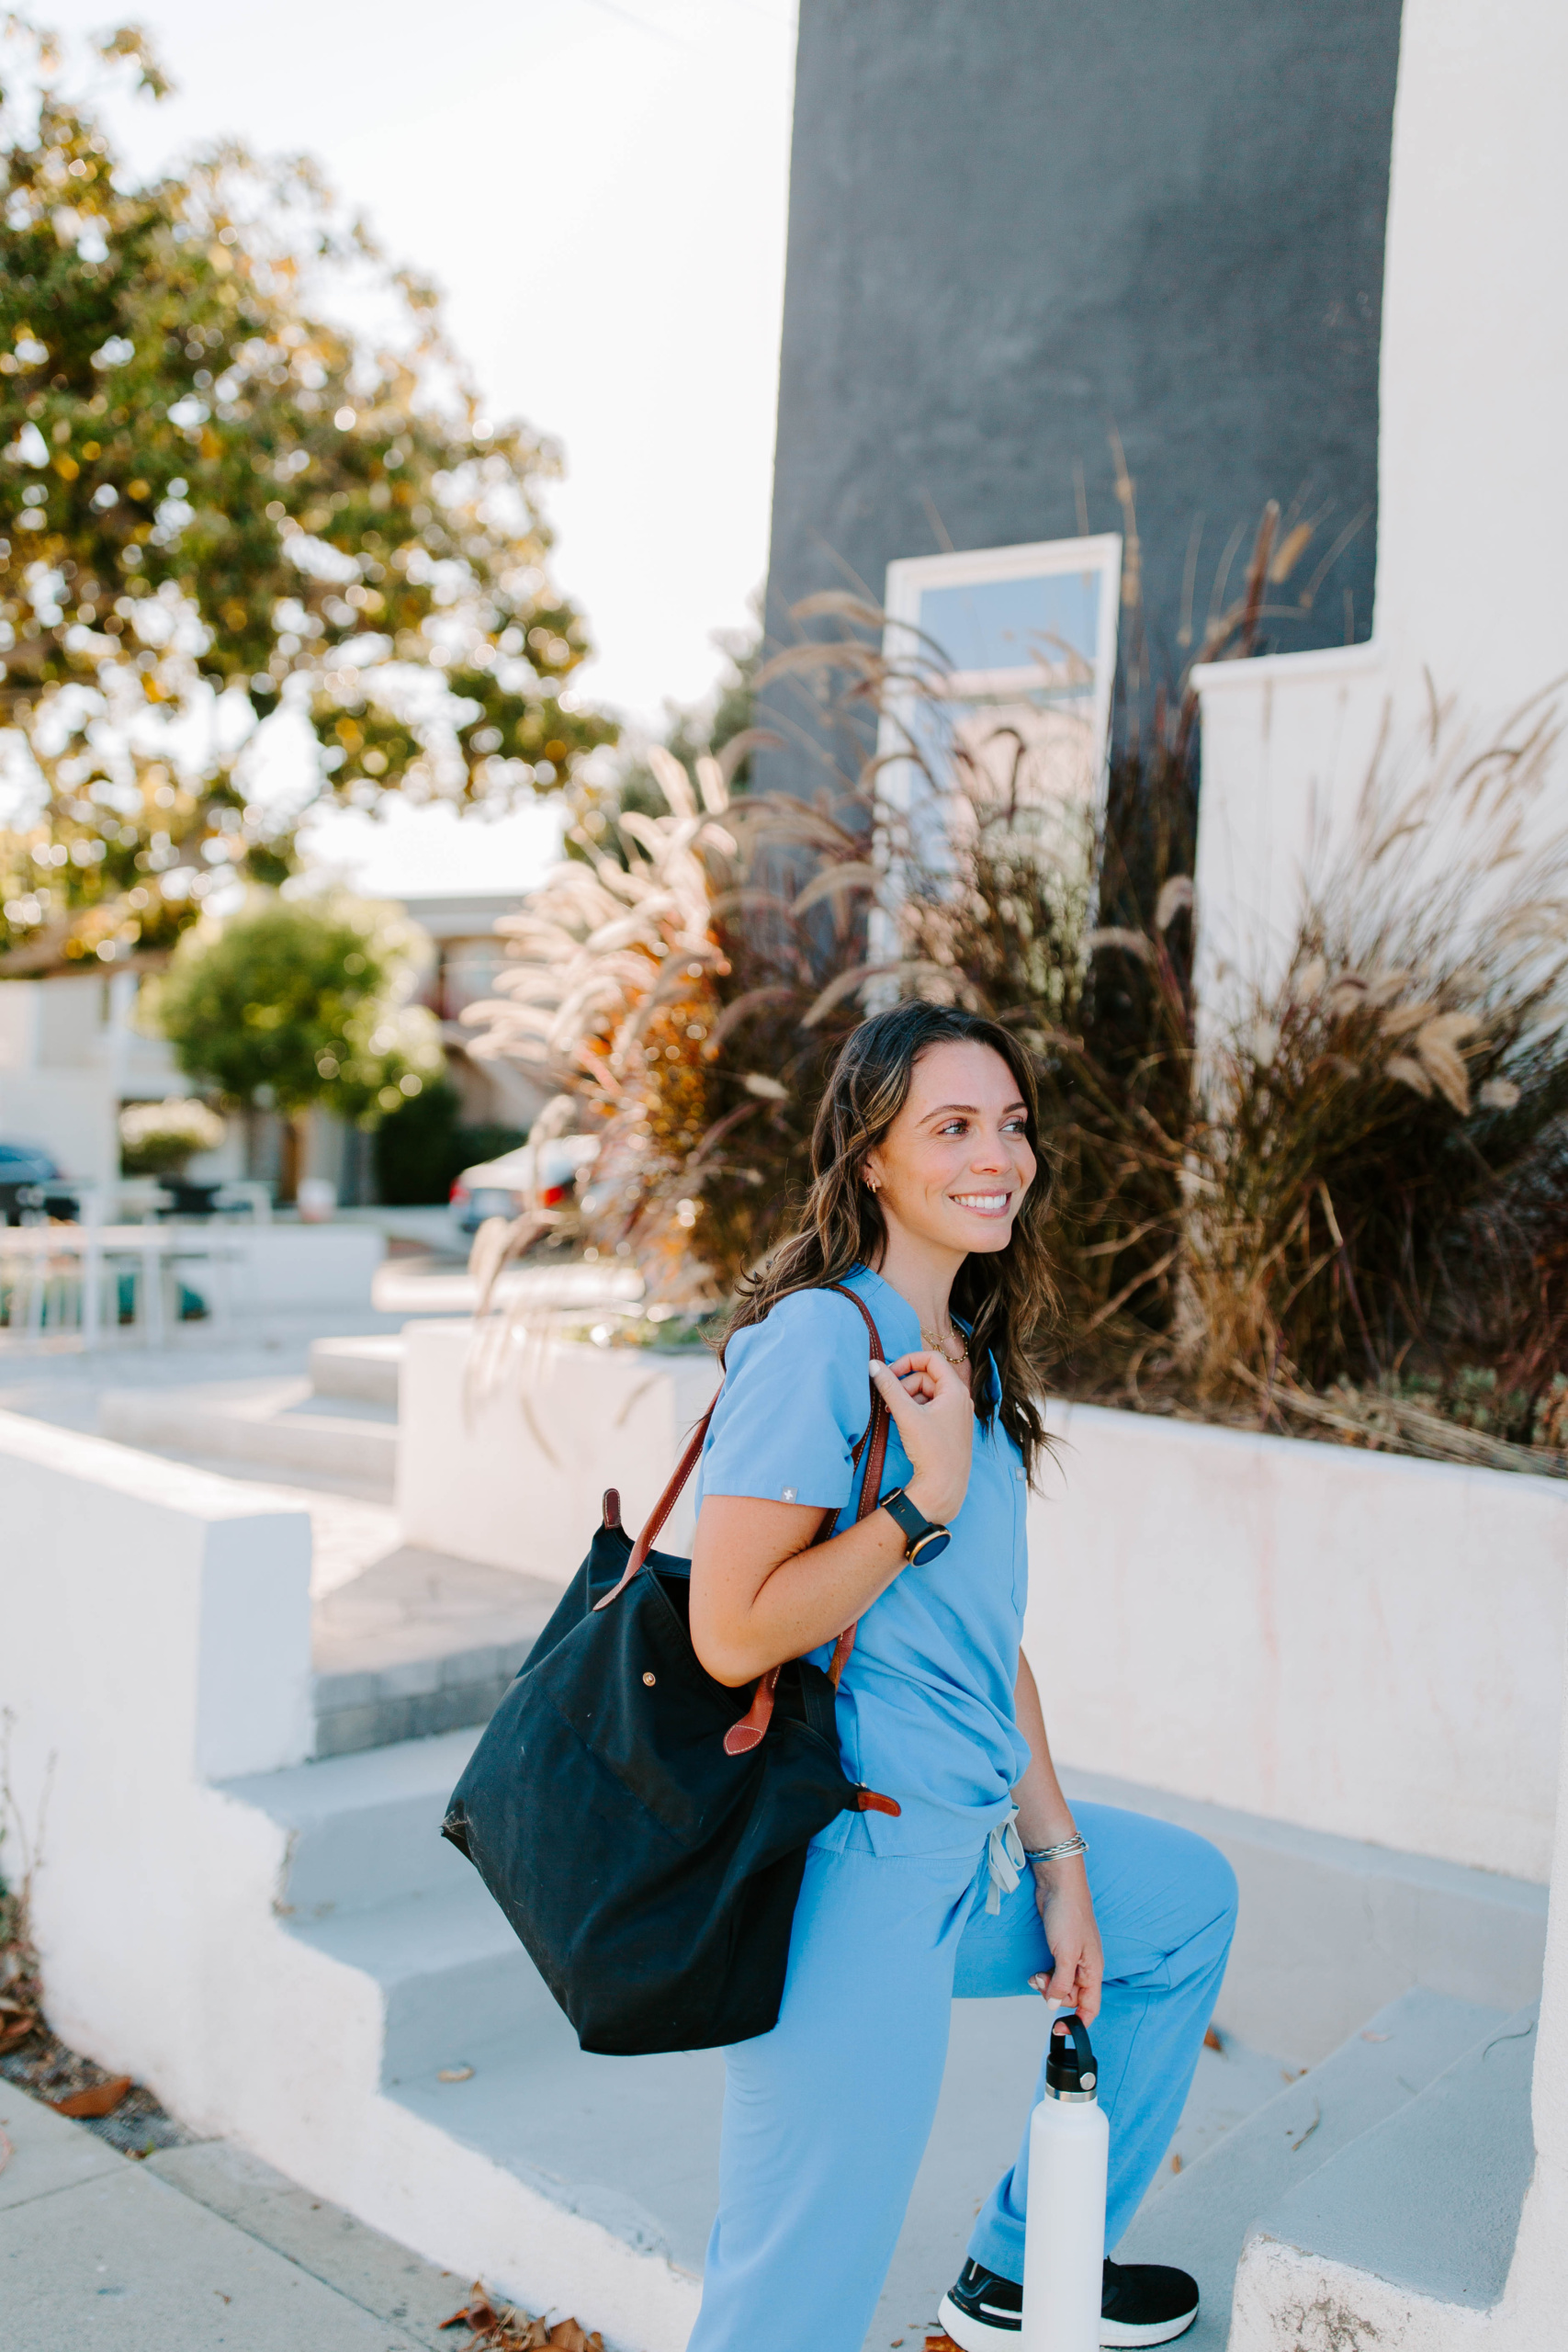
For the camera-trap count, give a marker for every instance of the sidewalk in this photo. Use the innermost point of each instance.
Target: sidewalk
(193, 2248)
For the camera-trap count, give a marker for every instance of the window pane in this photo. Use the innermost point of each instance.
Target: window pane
(1050, 622)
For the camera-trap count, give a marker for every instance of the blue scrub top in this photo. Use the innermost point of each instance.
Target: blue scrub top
(926, 1703)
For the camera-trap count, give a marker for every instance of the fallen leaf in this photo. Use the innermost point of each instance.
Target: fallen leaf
(1311, 2127)
(1212, 2040)
(568, 2337)
(1377, 2037)
(1176, 2164)
(455, 2074)
(98, 2099)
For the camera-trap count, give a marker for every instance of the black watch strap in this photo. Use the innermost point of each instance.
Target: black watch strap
(923, 1538)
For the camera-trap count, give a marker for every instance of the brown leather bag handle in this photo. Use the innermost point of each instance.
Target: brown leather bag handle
(752, 1725)
(872, 1445)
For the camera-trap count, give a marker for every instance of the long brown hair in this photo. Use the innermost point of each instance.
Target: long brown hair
(1007, 1296)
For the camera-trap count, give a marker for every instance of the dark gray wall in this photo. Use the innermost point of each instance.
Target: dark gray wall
(1015, 223)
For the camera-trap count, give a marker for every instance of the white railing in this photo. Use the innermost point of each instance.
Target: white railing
(64, 1279)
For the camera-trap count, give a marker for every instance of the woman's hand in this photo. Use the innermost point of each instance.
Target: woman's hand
(934, 1414)
(1067, 1913)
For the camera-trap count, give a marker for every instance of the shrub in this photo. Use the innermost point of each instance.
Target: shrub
(422, 1148)
(157, 1139)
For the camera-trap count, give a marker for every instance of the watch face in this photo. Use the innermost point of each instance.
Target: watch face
(926, 1547)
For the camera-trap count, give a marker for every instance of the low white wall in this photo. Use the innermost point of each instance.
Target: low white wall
(298, 1265)
(156, 1635)
(1352, 1642)
(510, 1469)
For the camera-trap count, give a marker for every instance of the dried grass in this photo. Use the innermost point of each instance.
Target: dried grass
(1362, 1183)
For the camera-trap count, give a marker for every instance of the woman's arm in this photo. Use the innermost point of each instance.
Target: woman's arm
(1061, 1888)
(762, 1591)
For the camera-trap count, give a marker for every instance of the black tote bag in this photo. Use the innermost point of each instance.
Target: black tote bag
(646, 1846)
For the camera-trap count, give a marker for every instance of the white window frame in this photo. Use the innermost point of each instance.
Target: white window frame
(909, 577)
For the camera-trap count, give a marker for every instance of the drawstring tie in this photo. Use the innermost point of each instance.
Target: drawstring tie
(1005, 1860)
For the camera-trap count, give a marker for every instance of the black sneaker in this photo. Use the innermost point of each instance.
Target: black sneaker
(1143, 2303)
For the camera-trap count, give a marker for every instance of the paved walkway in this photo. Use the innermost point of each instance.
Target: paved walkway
(193, 2249)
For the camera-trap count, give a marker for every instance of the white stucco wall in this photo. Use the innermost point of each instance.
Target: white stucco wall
(1349, 1642)
(1473, 470)
(1355, 1643)
(511, 1468)
(156, 1635)
(1472, 477)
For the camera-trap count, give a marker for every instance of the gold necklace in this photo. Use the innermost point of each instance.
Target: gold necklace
(932, 1341)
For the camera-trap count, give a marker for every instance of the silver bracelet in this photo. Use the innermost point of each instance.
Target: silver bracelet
(1059, 1852)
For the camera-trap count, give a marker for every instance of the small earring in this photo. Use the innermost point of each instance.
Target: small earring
(872, 1184)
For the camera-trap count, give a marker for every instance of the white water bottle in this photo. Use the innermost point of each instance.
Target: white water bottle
(1064, 2239)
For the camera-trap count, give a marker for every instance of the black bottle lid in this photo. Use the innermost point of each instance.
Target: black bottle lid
(1070, 2069)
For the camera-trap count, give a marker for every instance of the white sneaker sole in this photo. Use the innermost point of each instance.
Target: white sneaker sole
(972, 2334)
(1159, 2331)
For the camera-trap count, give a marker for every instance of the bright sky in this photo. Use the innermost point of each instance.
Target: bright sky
(600, 187)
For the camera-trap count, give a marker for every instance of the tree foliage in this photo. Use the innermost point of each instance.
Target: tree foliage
(218, 504)
(295, 1001)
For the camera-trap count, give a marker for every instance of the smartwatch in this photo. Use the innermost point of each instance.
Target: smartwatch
(923, 1538)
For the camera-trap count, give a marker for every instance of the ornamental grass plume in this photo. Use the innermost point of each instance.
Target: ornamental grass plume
(1379, 1173)
(684, 1006)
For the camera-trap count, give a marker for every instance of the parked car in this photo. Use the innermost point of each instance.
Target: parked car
(29, 1179)
(538, 1175)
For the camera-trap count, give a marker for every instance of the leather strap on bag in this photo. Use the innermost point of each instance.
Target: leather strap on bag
(871, 1452)
(753, 1723)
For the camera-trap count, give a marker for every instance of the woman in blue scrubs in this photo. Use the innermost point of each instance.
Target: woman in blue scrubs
(925, 1204)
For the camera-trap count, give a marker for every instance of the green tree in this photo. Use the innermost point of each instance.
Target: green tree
(299, 1001)
(216, 505)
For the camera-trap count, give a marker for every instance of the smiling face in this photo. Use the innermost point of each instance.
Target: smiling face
(953, 1169)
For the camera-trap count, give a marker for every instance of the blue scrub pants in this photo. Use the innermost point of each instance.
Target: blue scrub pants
(826, 2117)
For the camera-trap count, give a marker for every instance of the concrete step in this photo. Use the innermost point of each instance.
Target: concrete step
(419, 1643)
(454, 1978)
(1201, 2220)
(1426, 2201)
(364, 1829)
(260, 1424)
(364, 1369)
(1331, 1929)
(632, 2144)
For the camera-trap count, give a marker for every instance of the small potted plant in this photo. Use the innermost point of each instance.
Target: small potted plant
(160, 1138)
